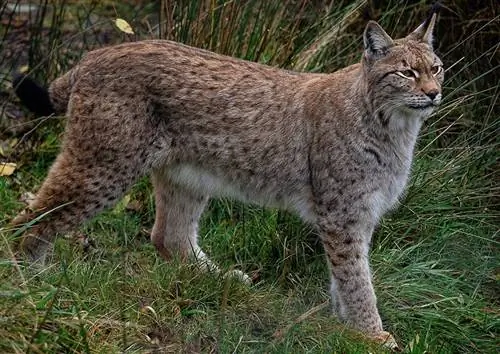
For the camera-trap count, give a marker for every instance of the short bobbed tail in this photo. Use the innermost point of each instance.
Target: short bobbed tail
(33, 96)
(38, 99)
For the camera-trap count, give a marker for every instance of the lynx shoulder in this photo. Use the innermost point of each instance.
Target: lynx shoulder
(334, 148)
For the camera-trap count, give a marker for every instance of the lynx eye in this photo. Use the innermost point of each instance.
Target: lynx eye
(436, 69)
(408, 74)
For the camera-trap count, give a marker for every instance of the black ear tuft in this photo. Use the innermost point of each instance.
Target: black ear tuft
(435, 9)
(424, 32)
(33, 96)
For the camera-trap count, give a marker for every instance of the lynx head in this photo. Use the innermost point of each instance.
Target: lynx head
(402, 74)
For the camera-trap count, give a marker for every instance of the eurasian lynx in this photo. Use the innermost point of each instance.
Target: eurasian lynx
(334, 148)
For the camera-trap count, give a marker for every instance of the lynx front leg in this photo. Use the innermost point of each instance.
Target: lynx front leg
(352, 291)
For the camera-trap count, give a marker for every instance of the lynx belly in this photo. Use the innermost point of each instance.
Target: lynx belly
(208, 183)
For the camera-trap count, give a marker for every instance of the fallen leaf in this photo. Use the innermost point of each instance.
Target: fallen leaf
(7, 168)
(176, 311)
(123, 26)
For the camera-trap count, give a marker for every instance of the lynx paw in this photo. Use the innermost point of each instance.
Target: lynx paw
(239, 275)
(387, 340)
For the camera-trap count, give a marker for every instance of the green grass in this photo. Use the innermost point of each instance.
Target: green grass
(435, 259)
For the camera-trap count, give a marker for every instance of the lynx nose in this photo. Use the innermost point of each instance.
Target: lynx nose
(432, 94)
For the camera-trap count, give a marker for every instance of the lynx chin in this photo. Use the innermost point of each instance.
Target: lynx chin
(334, 148)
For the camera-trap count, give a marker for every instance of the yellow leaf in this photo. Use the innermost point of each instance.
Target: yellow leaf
(123, 26)
(24, 69)
(7, 168)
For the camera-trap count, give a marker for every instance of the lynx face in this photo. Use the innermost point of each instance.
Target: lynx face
(405, 73)
(415, 82)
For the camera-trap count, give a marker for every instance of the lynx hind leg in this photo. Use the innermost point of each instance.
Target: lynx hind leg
(176, 222)
(75, 190)
(175, 231)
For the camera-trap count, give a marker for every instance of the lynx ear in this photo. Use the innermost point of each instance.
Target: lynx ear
(424, 32)
(377, 42)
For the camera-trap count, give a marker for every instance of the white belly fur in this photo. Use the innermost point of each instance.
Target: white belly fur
(207, 183)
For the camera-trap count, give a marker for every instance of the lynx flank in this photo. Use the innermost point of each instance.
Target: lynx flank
(334, 148)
